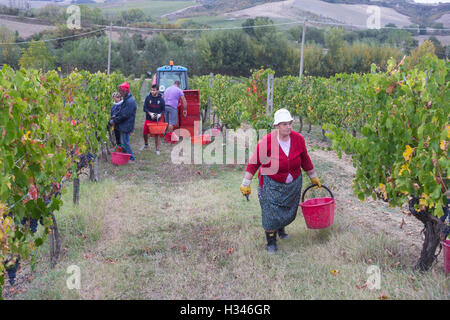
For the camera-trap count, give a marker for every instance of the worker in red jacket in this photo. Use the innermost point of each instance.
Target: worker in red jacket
(279, 156)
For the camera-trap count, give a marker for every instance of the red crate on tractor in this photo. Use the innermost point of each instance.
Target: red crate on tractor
(164, 78)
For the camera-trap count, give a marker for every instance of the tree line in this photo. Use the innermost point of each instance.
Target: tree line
(233, 52)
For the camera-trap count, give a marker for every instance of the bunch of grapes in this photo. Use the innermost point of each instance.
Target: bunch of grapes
(33, 225)
(86, 159)
(12, 270)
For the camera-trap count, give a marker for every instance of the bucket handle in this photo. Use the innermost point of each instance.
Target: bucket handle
(313, 185)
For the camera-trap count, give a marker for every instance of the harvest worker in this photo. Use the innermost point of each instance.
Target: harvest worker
(279, 156)
(171, 96)
(124, 120)
(114, 111)
(154, 107)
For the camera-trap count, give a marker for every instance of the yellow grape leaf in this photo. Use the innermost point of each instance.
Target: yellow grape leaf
(435, 120)
(7, 223)
(382, 188)
(3, 209)
(404, 168)
(407, 154)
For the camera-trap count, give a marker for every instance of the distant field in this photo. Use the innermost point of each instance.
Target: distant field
(445, 19)
(154, 9)
(24, 29)
(350, 14)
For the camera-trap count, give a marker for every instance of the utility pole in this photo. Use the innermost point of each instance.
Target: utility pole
(269, 106)
(109, 48)
(208, 108)
(303, 45)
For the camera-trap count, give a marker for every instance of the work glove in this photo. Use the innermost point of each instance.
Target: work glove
(246, 190)
(154, 116)
(316, 181)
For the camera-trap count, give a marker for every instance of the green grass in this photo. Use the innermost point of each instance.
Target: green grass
(154, 9)
(154, 230)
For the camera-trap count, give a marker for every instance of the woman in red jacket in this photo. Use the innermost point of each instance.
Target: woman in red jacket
(279, 156)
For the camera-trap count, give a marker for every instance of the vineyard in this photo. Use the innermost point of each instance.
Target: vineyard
(394, 124)
(52, 127)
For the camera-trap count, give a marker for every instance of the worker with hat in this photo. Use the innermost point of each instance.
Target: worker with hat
(125, 118)
(280, 156)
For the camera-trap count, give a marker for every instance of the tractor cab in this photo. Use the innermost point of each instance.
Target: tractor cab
(164, 77)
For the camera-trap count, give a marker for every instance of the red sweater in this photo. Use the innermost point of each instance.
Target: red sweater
(273, 162)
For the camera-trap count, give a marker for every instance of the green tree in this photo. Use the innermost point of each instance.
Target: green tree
(416, 57)
(253, 27)
(37, 56)
(133, 15)
(228, 53)
(439, 49)
(128, 53)
(313, 60)
(155, 52)
(334, 58)
(9, 53)
(89, 54)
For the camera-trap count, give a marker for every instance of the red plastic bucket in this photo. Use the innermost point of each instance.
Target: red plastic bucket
(157, 127)
(201, 139)
(119, 158)
(318, 212)
(168, 138)
(446, 246)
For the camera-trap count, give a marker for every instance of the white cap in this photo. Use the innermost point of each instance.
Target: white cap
(282, 115)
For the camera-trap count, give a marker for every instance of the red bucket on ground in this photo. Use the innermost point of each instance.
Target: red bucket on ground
(168, 137)
(201, 139)
(318, 212)
(119, 158)
(446, 246)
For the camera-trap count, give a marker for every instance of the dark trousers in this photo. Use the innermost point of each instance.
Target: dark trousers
(125, 141)
(117, 135)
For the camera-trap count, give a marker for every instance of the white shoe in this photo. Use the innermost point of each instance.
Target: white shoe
(157, 152)
(145, 146)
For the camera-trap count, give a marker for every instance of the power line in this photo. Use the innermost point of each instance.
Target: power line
(223, 29)
(271, 25)
(55, 39)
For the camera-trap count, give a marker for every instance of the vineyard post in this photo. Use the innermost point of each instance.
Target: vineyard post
(55, 243)
(303, 46)
(269, 107)
(208, 107)
(76, 189)
(109, 47)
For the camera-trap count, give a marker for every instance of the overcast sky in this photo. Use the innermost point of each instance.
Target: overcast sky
(432, 1)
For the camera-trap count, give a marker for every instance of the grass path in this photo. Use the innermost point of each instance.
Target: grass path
(155, 230)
